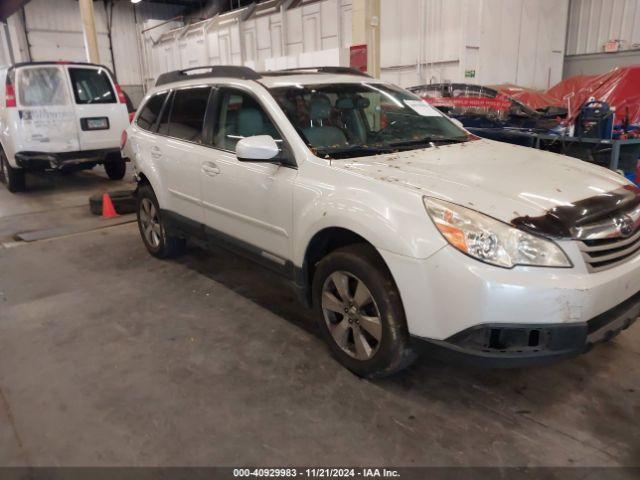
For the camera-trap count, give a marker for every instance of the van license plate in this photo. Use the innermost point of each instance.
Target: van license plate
(98, 123)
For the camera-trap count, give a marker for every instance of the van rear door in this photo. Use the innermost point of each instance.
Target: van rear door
(101, 116)
(46, 118)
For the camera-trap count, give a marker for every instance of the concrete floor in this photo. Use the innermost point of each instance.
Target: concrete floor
(111, 357)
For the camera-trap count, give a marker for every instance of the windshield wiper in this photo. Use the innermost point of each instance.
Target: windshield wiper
(352, 149)
(427, 140)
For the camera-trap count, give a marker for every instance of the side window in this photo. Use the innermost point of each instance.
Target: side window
(187, 114)
(239, 115)
(149, 113)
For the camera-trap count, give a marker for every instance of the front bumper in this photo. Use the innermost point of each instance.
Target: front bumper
(449, 292)
(519, 345)
(51, 160)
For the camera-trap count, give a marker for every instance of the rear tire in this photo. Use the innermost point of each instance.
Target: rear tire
(115, 166)
(13, 178)
(152, 227)
(360, 313)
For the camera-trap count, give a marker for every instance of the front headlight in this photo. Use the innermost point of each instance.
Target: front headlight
(490, 240)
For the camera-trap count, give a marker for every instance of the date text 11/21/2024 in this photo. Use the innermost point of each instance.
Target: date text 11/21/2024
(318, 472)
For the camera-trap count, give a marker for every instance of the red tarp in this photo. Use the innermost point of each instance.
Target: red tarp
(620, 88)
(569, 86)
(532, 98)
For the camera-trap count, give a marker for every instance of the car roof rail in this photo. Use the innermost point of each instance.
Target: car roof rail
(334, 70)
(229, 71)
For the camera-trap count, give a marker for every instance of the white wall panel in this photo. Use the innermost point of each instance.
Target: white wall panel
(522, 42)
(594, 22)
(316, 34)
(496, 41)
(126, 40)
(55, 33)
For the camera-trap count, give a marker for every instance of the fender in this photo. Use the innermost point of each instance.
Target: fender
(385, 217)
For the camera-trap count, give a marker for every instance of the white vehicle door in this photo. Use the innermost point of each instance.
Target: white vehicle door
(100, 107)
(249, 201)
(44, 113)
(179, 150)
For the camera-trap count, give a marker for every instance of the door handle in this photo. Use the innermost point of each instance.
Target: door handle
(210, 168)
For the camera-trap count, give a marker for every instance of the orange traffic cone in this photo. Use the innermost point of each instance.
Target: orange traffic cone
(108, 210)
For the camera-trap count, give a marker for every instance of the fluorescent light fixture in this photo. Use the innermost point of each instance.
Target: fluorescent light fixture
(136, 1)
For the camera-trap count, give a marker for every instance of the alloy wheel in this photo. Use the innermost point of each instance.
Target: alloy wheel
(150, 222)
(352, 315)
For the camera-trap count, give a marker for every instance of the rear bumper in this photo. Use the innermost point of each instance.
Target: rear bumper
(518, 345)
(48, 160)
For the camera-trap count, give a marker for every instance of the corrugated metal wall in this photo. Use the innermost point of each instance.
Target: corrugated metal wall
(477, 41)
(594, 22)
(314, 33)
(54, 32)
(422, 41)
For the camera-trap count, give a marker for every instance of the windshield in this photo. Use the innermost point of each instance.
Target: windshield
(356, 119)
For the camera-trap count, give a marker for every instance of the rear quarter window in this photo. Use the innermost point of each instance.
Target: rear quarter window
(91, 85)
(38, 87)
(150, 111)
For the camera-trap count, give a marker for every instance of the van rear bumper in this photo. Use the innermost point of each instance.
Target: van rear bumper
(48, 160)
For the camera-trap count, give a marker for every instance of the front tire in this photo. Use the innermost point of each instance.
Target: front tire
(152, 228)
(360, 313)
(13, 178)
(115, 166)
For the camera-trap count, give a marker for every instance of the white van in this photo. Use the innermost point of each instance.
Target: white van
(59, 116)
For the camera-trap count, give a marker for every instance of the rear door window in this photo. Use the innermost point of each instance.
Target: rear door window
(43, 86)
(150, 112)
(91, 85)
(187, 114)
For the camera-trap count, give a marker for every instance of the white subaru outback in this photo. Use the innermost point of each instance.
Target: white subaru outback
(400, 228)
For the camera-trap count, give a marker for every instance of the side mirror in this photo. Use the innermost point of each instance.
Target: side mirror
(259, 148)
(457, 122)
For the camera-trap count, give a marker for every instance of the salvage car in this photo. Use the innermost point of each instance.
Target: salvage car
(59, 116)
(401, 229)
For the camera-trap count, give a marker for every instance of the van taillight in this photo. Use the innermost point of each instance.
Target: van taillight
(123, 139)
(121, 98)
(10, 95)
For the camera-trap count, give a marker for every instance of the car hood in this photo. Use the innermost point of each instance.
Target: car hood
(504, 181)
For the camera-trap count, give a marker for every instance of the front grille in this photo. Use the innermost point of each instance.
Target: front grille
(607, 253)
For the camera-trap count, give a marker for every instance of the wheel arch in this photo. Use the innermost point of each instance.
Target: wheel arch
(321, 244)
(155, 183)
